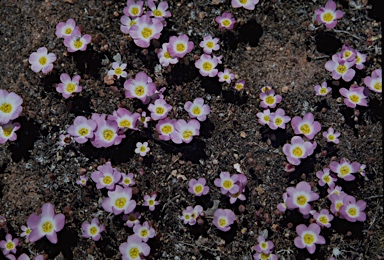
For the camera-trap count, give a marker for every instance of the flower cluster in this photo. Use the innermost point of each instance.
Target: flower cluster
(10, 109)
(190, 215)
(232, 186)
(73, 39)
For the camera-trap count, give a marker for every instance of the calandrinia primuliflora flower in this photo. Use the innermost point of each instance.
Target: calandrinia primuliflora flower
(41, 60)
(68, 85)
(77, 42)
(300, 196)
(226, 21)
(375, 81)
(298, 149)
(354, 96)
(328, 14)
(308, 237)
(93, 229)
(223, 218)
(119, 200)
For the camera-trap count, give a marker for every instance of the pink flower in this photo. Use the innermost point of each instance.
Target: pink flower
(187, 216)
(47, 224)
(334, 190)
(226, 76)
(282, 207)
(226, 21)
(345, 169)
(322, 90)
(159, 12)
(145, 30)
(308, 237)
(82, 129)
(374, 82)
(227, 183)
(300, 196)
(352, 210)
(331, 135)
(144, 119)
(159, 109)
(197, 187)
(206, 65)
(354, 96)
(151, 201)
(144, 231)
(134, 248)
(141, 87)
(347, 53)
(362, 170)
(269, 99)
(133, 8)
(323, 218)
(124, 118)
(326, 178)
(65, 29)
(328, 15)
(7, 132)
(239, 85)
(142, 148)
(197, 109)
(223, 218)
(179, 46)
(164, 57)
(184, 131)
(264, 117)
(306, 125)
(247, 4)
(360, 59)
(127, 23)
(132, 219)
(107, 132)
(337, 201)
(26, 231)
(298, 149)
(9, 245)
(118, 70)
(82, 181)
(42, 60)
(127, 180)
(106, 176)
(263, 246)
(68, 85)
(119, 200)
(209, 44)
(93, 229)
(165, 128)
(278, 119)
(77, 42)
(340, 68)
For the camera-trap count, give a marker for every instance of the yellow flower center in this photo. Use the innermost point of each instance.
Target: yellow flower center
(305, 129)
(347, 54)
(180, 47)
(10, 245)
(264, 256)
(78, 44)
(270, 100)
(344, 170)
(133, 22)
(227, 184)
(139, 91)
(341, 69)
(28, 231)
(157, 13)
(144, 233)
(151, 202)
(7, 131)
(263, 245)
(134, 252)
(198, 189)
(239, 86)
(378, 86)
(323, 219)
(196, 111)
(187, 216)
(93, 231)
(354, 98)
(226, 23)
(167, 55)
(127, 181)
(266, 118)
(331, 137)
(146, 32)
(298, 152)
(118, 71)
(358, 59)
(47, 227)
(83, 131)
(309, 239)
(68, 31)
(6, 108)
(108, 134)
(301, 200)
(243, 1)
(226, 77)
(207, 66)
(323, 91)
(352, 212)
(107, 180)
(135, 11)
(43, 60)
(338, 205)
(278, 121)
(210, 45)
(328, 17)
(125, 123)
(327, 179)
(70, 87)
(160, 110)
(187, 134)
(120, 202)
(143, 149)
(222, 222)
(167, 129)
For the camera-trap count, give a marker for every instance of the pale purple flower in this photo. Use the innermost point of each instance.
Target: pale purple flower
(150, 201)
(328, 15)
(323, 218)
(308, 237)
(159, 109)
(197, 187)
(340, 68)
(165, 128)
(184, 131)
(334, 190)
(362, 170)
(325, 177)
(127, 180)
(269, 99)
(124, 118)
(42, 60)
(179, 46)
(207, 65)
(223, 218)
(239, 85)
(226, 21)
(82, 181)
(354, 96)
(306, 126)
(9, 245)
(352, 210)
(226, 76)
(145, 30)
(118, 70)
(263, 246)
(46, 224)
(278, 119)
(140, 87)
(187, 216)
(282, 207)
(227, 183)
(237, 196)
(375, 81)
(144, 231)
(134, 8)
(323, 89)
(159, 12)
(298, 149)
(68, 85)
(331, 135)
(144, 119)
(82, 129)
(93, 229)
(142, 148)
(247, 4)
(106, 176)
(26, 231)
(209, 44)
(107, 132)
(218, 58)
(134, 248)
(300, 196)
(360, 59)
(347, 53)
(345, 169)
(65, 29)
(77, 42)
(127, 23)
(164, 57)
(337, 201)
(132, 219)
(264, 117)
(119, 200)
(197, 109)
(8, 132)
